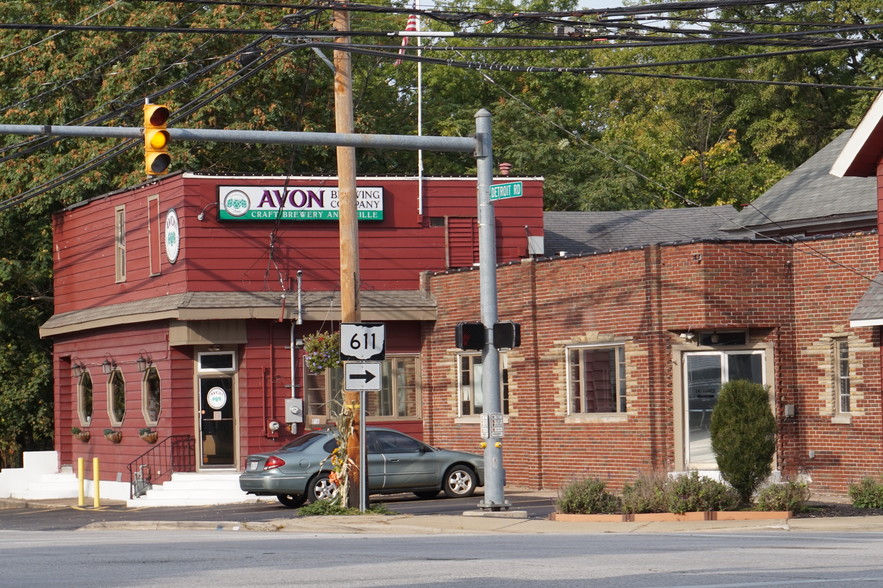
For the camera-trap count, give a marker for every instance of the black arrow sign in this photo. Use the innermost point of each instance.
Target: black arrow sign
(367, 376)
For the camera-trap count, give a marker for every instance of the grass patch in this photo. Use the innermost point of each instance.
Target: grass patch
(324, 508)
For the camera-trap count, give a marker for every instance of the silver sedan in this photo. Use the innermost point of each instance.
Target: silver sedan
(299, 471)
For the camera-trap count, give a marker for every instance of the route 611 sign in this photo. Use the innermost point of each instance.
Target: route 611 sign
(362, 341)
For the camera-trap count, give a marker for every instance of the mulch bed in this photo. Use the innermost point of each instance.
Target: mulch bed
(828, 509)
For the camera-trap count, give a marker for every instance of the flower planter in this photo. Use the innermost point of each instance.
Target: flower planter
(660, 517)
(149, 437)
(83, 436)
(114, 437)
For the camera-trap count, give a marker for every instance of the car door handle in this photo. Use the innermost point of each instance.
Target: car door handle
(395, 460)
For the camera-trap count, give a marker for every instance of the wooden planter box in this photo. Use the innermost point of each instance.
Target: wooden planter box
(659, 517)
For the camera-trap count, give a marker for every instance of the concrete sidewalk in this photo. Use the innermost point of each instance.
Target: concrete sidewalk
(470, 522)
(467, 524)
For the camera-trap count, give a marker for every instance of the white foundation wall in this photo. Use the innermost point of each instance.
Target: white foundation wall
(41, 478)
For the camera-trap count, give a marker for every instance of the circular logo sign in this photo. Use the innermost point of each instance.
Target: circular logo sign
(173, 236)
(216, 398)
(236, 203)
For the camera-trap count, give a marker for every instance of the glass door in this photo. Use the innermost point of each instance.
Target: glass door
(705, 373)
(216, 421)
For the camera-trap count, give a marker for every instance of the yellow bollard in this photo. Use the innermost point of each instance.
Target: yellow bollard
(81, 482)
(96, 500)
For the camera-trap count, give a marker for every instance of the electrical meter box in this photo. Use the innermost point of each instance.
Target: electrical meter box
(294, 410)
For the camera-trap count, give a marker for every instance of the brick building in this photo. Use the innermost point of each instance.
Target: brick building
(631, 330)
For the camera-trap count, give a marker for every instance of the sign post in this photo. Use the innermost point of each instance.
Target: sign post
(362, 347)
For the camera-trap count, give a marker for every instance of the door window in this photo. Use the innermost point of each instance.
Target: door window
(216, 421)
(705, 373)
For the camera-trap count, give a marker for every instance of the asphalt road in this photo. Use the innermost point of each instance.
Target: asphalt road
(69, 518)
(218, 559)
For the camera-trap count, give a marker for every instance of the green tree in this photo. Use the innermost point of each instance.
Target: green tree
(101, 77)
(743, 431)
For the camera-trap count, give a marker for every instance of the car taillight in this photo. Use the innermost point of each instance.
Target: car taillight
(273, 463)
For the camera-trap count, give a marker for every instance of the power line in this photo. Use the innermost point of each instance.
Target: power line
(592, 70)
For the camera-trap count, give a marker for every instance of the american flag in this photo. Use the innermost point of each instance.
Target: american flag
(411, 26)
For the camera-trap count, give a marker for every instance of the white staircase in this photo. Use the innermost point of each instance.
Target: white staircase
(195, 489)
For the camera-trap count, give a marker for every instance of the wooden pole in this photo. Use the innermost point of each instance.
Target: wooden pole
(350, 310)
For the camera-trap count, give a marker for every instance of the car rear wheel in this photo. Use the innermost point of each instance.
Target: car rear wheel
(426, 494)
(459, 481)
(291, 500)
(322, 488)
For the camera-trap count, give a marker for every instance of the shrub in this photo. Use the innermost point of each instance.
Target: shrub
(867, 494)
(743, 431)
(587, 497)
(692, 492)
(647, 494)
(791, 496)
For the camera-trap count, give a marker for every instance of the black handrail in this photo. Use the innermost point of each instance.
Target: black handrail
(176, 453)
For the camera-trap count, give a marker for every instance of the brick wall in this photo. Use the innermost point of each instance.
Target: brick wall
(789, 300)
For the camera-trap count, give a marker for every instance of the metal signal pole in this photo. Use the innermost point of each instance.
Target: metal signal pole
(350, 309)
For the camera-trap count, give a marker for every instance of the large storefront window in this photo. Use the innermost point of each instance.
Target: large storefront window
(398, 398)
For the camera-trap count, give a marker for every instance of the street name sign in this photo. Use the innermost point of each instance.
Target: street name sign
(362, 375)
(362, 342)
(507, 190)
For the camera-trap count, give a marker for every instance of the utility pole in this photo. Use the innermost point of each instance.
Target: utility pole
(350, 309)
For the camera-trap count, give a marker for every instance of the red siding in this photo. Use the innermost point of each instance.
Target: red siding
(235, 256)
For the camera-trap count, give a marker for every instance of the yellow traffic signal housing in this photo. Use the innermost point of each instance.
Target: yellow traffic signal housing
(156, 140)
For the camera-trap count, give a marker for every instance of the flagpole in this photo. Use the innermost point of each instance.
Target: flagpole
(419, 112)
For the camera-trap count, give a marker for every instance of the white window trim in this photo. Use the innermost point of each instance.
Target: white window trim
(114, 422)
(119, 243)
(85, 420)
(229, 370)
(592, 417)
(474, 418)
(145, 397)
(841, 417)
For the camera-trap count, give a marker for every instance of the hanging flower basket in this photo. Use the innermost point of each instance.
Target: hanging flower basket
(80, 434)
(113, 436)
(148, 435)
(322, 351)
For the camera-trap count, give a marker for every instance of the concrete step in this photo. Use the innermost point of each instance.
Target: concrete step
(195, 489)
(60, 485)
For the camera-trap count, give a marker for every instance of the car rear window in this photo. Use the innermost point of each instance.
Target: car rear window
(304, 441)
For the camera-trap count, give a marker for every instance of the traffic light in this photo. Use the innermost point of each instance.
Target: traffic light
(156, 140)
(470, 336)
(507, 335)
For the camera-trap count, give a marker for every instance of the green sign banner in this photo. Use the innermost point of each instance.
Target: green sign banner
(293, 203)
(508, 190)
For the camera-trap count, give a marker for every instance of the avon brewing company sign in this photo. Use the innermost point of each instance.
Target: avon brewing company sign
(293, 203)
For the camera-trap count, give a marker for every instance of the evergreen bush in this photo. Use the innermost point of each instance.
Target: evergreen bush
(867, 494)
(587, 497)
(743, 431)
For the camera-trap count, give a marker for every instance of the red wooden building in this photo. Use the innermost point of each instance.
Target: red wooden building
(181, 305)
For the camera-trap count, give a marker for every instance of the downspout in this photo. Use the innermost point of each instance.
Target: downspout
(298, 321)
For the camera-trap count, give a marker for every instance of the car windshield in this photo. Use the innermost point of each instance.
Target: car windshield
(304, 441)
